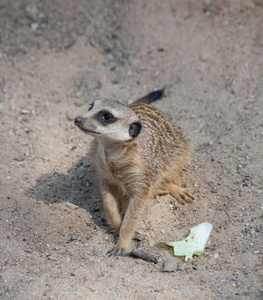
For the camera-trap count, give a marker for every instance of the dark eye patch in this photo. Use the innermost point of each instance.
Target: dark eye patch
(91, 106)
(105, 117)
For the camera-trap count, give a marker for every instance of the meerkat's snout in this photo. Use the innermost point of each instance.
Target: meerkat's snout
(78, 121)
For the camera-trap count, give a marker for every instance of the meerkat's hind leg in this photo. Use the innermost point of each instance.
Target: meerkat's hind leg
(182, 195)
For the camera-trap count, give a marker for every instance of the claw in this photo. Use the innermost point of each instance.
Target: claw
(182, 195)
(117, 252)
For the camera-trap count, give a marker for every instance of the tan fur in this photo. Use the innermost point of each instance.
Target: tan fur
(130, 170)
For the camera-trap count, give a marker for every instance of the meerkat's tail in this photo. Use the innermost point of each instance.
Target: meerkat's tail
(151, 97)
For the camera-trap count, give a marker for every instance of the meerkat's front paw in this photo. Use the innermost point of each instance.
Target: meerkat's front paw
(117, 252)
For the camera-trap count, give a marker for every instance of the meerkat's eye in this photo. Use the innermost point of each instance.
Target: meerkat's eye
(91, 106)
(105, 117)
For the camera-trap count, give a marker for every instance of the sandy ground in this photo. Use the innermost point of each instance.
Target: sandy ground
(56, 57)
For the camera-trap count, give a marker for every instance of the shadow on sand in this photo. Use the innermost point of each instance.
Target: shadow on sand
(78, 186)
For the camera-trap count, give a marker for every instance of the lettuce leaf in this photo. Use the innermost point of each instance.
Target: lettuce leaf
(195, 243)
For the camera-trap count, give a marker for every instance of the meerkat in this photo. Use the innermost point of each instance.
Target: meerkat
(137, 151)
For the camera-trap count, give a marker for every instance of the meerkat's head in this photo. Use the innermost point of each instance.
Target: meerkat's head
(111, 120)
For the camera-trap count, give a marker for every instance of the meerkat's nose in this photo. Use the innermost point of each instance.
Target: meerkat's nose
(79, 120)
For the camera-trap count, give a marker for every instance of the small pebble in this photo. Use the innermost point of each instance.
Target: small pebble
(32, 12)
(52, 258)
(116, 80)
(229, 278)
(78, 103)
(28, 130)
(25, 111)
(70, 116)
(85, 162)
(19, 156)
(34, 26)
(172, 264)
(72, 206)
(139, 237)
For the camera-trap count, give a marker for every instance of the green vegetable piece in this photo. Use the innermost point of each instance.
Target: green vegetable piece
(195, 243)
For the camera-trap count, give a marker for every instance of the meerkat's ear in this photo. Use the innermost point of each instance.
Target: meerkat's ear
(135, 129)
